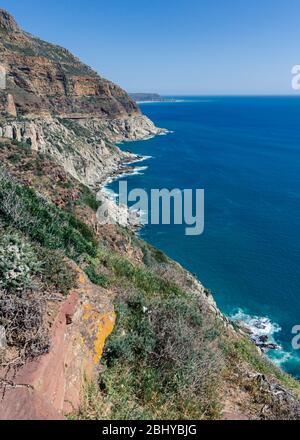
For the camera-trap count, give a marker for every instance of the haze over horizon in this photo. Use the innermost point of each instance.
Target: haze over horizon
(206, 48)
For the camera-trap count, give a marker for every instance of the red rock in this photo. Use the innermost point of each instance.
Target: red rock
(52, 385)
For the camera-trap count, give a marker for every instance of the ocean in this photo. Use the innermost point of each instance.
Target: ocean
(245, 153)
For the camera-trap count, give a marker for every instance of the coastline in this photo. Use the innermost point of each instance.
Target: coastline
(259, 329)
(103, 314)
(108, 198)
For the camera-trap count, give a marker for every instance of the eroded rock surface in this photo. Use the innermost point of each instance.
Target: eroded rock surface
(51, 386)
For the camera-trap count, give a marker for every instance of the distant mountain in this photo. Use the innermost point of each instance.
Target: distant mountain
(152, 97)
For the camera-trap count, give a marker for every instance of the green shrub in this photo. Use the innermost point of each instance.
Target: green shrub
(88, 198)
(15, 158)
(244, 350)
(56, 273)
(162, 358)
(18, 263)
(96, 278)
(142, 278)
(24, 145)
(42, 221)
(152, 256)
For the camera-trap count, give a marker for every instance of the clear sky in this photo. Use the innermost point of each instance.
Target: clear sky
(175, 46)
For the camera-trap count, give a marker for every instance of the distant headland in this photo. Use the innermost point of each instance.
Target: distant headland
(147, 97)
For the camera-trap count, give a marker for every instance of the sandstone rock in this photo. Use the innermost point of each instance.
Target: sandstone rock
(10, 107)
(45, 79)
(52, 385)
(7, 22)
(64, 108)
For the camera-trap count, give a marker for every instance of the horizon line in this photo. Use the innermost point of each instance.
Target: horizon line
(223, 95)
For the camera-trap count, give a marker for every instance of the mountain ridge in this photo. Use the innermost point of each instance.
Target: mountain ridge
(45, 78)
(59, 105)
(151, 97)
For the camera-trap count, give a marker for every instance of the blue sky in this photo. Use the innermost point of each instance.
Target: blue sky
(175, 46)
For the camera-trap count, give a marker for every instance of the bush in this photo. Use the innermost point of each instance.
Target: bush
(56, 273)
(96, 278)
(163, 358)
(142, 278)
(88, 198)
(25, 145)
(18, 263)
(153, 256)
(22, 317)
(15, 158)
(42, 221)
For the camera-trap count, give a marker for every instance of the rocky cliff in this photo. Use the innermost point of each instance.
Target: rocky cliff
(48, 80)
(51, 386)
(60, 106)
(94, 322)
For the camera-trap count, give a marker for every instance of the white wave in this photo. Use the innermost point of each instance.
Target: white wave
(109, 193)
(123, 173)
(258, 325)
(262, 329)
(140, 159)
(138, 171)
(280, 357)
(135, 171)
(166, 133)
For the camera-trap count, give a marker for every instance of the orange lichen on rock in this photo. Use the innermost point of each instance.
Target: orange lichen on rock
(104, 330)
(52, 384)
(99, 328)
(82, 278)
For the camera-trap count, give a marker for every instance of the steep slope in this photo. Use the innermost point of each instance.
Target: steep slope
(171, 355)
(47, 79)
(58, 105)
(64, 278)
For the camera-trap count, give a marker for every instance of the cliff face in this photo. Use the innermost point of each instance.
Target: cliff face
(47, 79)
(172, 354)
(51, 386)
(59, 106)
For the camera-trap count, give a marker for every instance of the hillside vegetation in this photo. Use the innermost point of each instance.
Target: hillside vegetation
(170, 355)
(73, 292)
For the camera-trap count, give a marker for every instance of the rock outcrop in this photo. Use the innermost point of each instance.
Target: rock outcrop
(51, 386)
(59, 106)
(47, 79)
(7, 22)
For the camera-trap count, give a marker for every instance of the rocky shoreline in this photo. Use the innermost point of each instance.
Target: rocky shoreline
(62, 122)
(259, 329)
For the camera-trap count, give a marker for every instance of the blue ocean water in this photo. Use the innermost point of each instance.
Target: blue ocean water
(245, 153)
